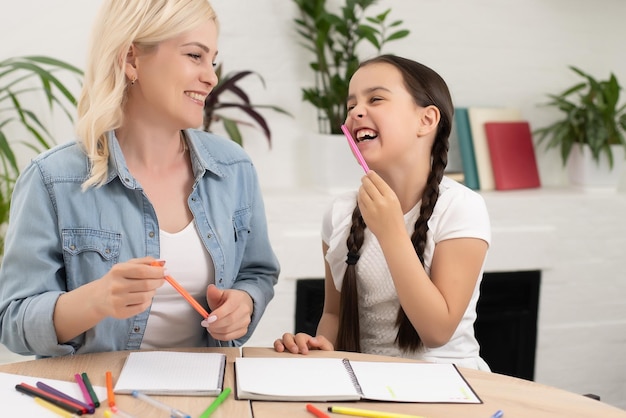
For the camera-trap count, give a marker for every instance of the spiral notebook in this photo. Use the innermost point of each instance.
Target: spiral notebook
(172, 373)
(333, 379)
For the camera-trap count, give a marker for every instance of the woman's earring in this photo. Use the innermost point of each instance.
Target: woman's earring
(132, 82)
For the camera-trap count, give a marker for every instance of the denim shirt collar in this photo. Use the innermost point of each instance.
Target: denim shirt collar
(201, 162)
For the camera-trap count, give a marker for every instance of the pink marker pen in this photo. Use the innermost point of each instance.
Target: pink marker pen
(354, 148)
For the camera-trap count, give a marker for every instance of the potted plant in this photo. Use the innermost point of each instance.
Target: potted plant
(590, 135)
(218, 101)
(335, 41)
(24, 82)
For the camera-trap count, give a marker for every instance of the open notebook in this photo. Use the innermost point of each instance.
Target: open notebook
(329, 379)
(172, 373)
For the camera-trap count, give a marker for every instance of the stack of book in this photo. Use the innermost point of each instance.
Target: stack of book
(496, 149)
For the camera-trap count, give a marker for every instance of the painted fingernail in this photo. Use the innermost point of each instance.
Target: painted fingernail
(205, 322)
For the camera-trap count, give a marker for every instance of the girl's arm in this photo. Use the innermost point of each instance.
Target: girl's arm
(435, 305)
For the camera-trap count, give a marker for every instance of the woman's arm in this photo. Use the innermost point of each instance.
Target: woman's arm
(258, 273)
(126, 290)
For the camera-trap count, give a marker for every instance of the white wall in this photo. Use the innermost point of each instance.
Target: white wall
(491, 52)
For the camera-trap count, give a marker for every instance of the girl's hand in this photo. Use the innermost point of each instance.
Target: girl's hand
(231, 313)
(128, 288)
(301, 343)
(379, 205)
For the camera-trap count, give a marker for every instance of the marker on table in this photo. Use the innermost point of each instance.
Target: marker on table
(89, 408)
(110, 394)
(354, 148)
(368, 413)
(92, 393)
(53, 399)
(84, 390)
(498, 414)
(217, 402)
(174, 413)
(52, 407)
(316, 412)
(194, 303)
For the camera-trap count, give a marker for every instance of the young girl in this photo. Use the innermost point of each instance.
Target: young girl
(405, 255)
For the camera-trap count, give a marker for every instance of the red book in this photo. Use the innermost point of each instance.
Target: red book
(512, 155)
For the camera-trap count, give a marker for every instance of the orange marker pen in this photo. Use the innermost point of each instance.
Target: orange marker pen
(110, 394)
(194, 303)
(316, 412)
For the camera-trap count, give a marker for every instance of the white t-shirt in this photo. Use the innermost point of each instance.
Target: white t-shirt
(459, 212)
(173, 322)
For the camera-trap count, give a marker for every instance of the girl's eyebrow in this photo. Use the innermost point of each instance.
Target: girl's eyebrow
(369, 91)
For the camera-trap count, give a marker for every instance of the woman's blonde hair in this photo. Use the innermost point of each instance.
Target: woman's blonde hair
(120, 24)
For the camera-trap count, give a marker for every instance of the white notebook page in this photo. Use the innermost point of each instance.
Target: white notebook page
(172, 372)
(294, 378)
(412, 382)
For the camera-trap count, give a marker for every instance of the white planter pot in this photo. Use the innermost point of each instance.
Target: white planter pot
(587, 174)
(328, 164)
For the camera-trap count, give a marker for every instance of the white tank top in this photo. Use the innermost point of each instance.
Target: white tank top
(172, 321)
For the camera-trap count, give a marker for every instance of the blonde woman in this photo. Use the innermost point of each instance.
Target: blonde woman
(89, 218)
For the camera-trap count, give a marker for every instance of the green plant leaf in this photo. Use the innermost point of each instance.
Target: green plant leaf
(22, 81)
(381, 17)
(233, 131)
(591, 116)
(398, 35)
(332, 39)
(217, 101)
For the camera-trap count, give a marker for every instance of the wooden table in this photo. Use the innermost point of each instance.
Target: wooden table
(96, 365)
(516, 397)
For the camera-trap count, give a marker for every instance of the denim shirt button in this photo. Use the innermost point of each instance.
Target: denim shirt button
(136, 329)
(151, 234)
(221, 280)
(72, 247)
(209, 236)
(107, 251)
(193, 199)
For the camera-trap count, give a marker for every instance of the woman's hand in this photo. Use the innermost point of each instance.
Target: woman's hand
(301, 343)
(124, 291)
(231, 313)
(128, 288)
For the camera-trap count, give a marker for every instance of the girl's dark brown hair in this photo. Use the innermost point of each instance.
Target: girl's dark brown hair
(428, 89)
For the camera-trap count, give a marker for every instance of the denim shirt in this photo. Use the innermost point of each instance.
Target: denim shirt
(60, 237)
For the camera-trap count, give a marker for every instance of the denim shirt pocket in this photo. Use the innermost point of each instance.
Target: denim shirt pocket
(89, 254)
(241, 225)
